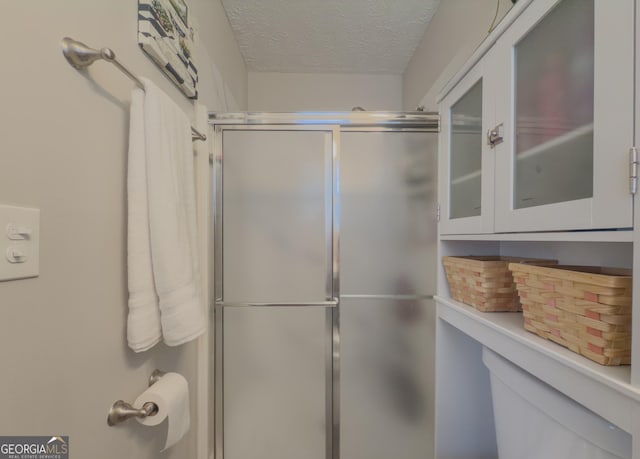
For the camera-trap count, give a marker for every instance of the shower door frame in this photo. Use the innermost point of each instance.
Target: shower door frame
(332, 290)
(334, 122)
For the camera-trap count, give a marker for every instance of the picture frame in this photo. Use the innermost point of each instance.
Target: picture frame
(165, 35)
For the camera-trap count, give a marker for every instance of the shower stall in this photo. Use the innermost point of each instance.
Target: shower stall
(325, 267)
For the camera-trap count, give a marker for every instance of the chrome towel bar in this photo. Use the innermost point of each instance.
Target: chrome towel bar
(121, 411)
(81, 56)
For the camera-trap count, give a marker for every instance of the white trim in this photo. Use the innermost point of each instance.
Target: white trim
(635, 333)
(203, 350)
(561, 236)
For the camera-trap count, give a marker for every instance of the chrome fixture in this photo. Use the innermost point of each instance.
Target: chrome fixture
(322, 304)
(633, 170)
(354, 120)
(155, 376)
(121, 411)
(81, 56)
(495, 136)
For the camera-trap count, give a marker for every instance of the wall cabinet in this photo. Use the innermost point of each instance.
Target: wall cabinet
(559, 78)
(557, 86)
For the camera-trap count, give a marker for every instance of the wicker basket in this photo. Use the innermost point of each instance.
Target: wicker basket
(485, 282)
(586, 309)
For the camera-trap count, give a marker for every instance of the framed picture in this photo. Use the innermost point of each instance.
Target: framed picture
(164, 34)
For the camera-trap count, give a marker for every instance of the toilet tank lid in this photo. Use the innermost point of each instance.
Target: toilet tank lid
(564, 410)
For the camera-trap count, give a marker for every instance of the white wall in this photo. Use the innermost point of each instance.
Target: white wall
(454, 32)
(223, 76)
(291, 92)
(63, 138)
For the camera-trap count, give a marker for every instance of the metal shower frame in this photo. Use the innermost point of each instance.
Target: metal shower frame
(334, 122)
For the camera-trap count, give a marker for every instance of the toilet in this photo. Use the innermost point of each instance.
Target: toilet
(535, 421)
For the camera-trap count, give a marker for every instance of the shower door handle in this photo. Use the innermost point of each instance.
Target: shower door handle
(333, 303)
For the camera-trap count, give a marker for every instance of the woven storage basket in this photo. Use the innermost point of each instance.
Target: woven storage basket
(586, 309)
(485, 282)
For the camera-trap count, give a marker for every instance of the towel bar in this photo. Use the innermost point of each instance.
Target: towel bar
(81, 56)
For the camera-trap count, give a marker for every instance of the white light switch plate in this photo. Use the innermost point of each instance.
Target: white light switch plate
(19, 242)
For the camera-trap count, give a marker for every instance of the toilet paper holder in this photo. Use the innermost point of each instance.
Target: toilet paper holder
(121, 411)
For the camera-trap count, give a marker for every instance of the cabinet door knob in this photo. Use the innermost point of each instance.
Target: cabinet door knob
(495, 136)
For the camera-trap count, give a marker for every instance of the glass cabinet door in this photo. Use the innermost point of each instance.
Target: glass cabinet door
(554, 108)
(465, 177)
(466, 168)
(564, 164)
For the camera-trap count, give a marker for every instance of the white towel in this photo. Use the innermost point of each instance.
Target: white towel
(143, 323)
(171, 226)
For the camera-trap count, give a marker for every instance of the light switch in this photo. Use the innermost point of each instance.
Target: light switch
(18, 233)
(19, 242)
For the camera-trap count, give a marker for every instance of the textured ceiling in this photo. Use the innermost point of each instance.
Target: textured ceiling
(329, 36)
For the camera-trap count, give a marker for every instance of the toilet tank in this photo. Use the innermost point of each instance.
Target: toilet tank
(535, 421)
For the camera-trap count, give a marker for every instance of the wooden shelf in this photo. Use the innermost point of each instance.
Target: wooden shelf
(624, 235)
(605, 390)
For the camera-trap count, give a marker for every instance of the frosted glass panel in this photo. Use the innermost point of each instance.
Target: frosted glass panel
(387, 200)
(387, 353)
(554, 80)
(276, 190)
(275, 383)
(466, 155)
(387, 249)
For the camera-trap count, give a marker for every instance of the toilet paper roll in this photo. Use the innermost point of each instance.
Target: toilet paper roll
(171, 395)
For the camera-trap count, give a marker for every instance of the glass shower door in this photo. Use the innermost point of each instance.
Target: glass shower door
(275, 297)
(388, 272)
